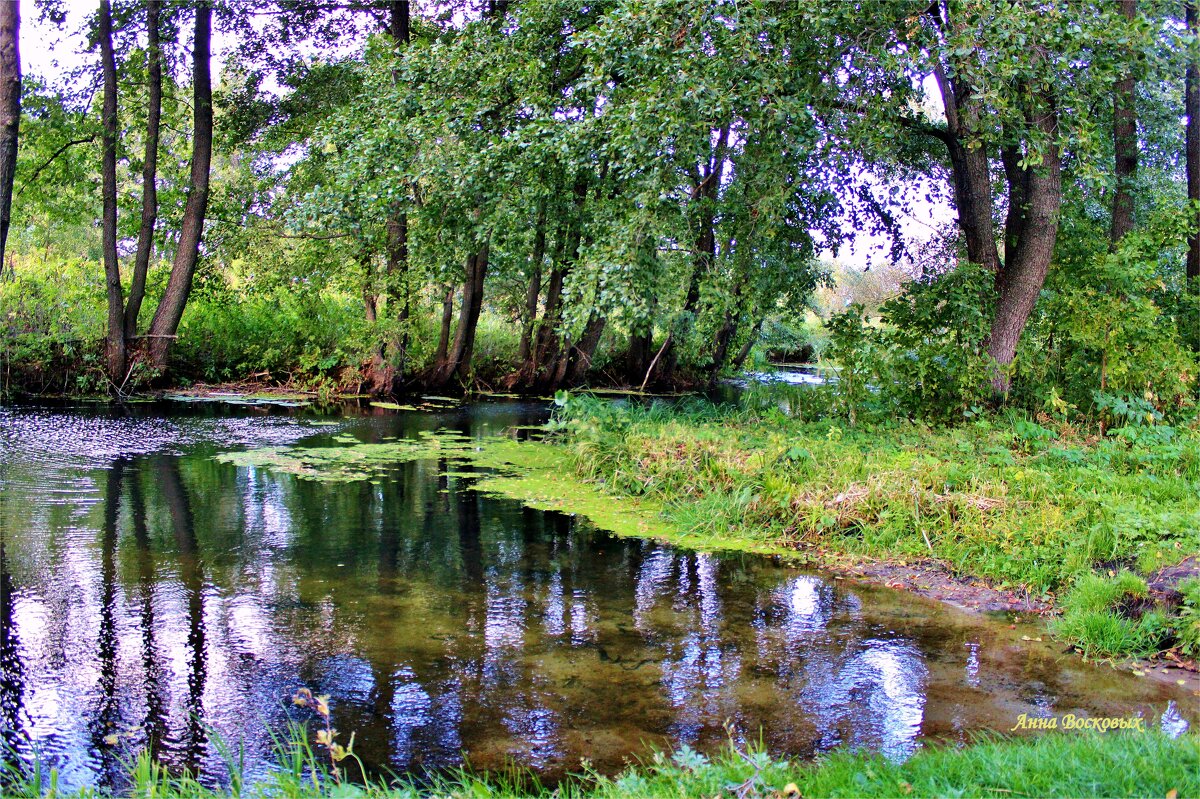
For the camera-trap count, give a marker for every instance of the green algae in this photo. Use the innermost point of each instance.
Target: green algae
(393, 406)
(233, 398)
(565, 493)
(342, 464)
(537, 474)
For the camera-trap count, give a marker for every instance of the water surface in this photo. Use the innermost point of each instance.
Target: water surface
(154, 594)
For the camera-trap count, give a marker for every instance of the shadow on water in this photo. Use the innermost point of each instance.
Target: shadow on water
(151, 594)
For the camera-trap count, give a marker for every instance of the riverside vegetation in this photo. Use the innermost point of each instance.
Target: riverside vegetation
(1046, 508)
(1110, 765)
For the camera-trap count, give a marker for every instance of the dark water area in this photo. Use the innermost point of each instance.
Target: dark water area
(152, 593)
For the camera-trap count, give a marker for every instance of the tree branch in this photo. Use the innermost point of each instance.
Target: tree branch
(50, 160)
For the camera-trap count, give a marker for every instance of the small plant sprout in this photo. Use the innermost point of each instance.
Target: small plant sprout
(325, 737)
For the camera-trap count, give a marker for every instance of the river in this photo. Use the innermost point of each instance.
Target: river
(155, 597)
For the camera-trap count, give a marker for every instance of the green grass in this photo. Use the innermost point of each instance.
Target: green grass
(1006, 499)
(1101, 616)
(1079, 765)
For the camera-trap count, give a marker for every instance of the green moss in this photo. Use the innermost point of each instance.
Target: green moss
(283, 400)
(547, 490)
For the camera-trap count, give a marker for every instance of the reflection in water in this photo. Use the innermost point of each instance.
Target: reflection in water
(166, 594)
(11, 669)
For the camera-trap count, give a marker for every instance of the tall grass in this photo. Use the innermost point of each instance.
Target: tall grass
(1054, 765)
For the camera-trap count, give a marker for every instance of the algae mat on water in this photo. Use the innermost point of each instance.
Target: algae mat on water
(535, 473)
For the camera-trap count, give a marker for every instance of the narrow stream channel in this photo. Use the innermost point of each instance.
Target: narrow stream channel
(151, 594)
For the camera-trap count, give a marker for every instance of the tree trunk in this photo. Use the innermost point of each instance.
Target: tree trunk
(447, 320)
(721, 345)
(550, 347)
(1192, 108)
(114, 345)
(1124, 142)
(397, 232)
(1034, 202)
(641, 350)
(183, 267)
(583, 352)
(547, 333)
(370, 302)
(744, 352)
(1020, 282)
(535, 284)
(145, 247)
(1017, 179)
(10, 111)
(725, 334)
(459, 358)
(705, 192)
(972, 178)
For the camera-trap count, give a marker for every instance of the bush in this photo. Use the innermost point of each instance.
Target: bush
(280, 335)
(53, 316)
(925, 360)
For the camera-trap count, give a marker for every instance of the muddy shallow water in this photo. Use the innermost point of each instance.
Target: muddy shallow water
(152, 593)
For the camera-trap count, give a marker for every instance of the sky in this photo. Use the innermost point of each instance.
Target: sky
(47, 51)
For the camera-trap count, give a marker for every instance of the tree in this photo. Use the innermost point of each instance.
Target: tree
(183, 266)
(114, 347)
(1019, 86)
(10, 111)
(1192, 109)
(145, 245)
(1125, 144)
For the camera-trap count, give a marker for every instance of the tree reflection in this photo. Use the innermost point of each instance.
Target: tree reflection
(191, 576)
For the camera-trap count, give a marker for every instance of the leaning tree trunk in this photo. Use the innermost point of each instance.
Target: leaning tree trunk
(114, 344)
(584, 350)
(1034, 202)
(744, 352)
(1021, 280)
(10, 111)
(145, 246)
(1124, 143)
(972, 187)
(183, 267)
(1192, 108)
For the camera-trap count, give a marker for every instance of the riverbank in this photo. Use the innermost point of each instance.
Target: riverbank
(1065, 764)
(1002, 513)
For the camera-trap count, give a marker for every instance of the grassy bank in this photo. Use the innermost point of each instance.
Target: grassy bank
(1093, 765)
(1051, 509)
